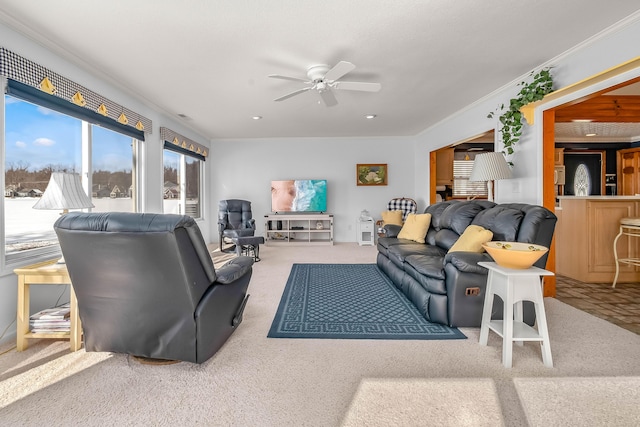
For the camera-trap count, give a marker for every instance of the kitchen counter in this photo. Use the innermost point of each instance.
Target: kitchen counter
(561, 198)
(584, 237)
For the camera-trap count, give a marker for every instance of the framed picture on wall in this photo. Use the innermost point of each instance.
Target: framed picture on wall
(371, 174)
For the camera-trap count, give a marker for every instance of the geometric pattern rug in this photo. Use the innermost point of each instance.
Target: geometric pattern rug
(350, 301)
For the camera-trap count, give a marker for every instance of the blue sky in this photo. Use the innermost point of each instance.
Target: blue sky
(40, 137)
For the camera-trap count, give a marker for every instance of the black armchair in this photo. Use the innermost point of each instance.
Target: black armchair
(146, 285)
(235, 220)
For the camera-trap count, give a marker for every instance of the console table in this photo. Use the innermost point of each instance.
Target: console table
(45, 273)
(300, 229)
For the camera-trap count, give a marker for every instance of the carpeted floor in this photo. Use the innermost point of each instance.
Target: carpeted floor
(349, 301)
(257, 381)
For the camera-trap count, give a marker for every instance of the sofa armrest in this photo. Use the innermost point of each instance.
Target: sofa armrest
(467, 261)
(392, 230)
(234, 269)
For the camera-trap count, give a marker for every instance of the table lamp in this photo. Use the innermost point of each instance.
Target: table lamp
(64, 192)
(490, 167)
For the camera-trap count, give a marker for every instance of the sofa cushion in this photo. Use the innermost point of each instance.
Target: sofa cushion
(503, 221)
(428, 271)
(436, 211)
(534, 218)
(415, 227)
(399, 252)
(459, 216)
(392, 217)
(428, 265)
(385, 242)
(472, 239)
(445, 238)
(468, 261)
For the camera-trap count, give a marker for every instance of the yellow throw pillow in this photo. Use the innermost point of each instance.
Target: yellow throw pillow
(415, 227)
(472, 239)
(392, 217)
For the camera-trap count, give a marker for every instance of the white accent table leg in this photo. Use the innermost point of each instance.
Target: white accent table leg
(486, 310)
(541, 321)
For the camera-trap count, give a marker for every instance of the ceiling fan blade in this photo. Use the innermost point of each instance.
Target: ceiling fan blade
(328, 98)
(289, 95)
(339, 70)
(295, 79)
(363, 86)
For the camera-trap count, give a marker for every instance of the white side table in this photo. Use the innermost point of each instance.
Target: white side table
(515, 286)
(366, 232)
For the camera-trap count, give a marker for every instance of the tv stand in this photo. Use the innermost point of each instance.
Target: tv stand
(298, 229)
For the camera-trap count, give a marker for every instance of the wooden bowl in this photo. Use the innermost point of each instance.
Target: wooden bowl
(515, 254)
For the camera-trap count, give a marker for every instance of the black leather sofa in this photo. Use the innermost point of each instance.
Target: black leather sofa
(146, 285)
(436, 281)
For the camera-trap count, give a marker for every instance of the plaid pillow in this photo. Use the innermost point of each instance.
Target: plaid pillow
(403, 204)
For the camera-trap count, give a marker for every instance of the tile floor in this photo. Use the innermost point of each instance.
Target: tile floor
(619, 305)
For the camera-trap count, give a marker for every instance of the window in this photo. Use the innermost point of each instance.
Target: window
(192, 184)
(112, 166)
(462, 187)
(182, 184)
(39, 141)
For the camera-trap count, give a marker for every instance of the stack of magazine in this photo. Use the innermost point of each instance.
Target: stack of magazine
(51, 320)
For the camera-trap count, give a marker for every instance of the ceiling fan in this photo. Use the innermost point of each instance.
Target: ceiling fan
(324, 79)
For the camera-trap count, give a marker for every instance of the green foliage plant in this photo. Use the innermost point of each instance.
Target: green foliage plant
(538, 85)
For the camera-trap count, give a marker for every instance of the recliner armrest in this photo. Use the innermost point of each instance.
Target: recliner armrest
(234, 269)
(467, 261)
(392, 230)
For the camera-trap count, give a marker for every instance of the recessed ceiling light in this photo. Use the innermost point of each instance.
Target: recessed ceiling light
(581, 120)
(370, 116)
(256, 117)
(591, 134)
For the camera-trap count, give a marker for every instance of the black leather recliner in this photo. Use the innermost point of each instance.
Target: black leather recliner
(234, 220)
(146, 285)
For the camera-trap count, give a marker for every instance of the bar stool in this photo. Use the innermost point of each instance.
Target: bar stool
(628, 227)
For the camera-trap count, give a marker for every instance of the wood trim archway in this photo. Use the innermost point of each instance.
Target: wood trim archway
(566, 112)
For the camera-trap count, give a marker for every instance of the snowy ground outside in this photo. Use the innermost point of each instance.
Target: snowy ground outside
(25, 224)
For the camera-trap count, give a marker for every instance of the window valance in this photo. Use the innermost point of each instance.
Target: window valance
(175, 141)
(29, 73)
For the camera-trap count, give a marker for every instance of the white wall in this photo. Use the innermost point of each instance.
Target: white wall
(244, 169)
(609, 49)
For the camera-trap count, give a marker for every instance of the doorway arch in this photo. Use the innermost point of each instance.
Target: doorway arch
(541, 115)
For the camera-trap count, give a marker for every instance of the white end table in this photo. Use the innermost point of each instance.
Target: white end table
(366, 232)
(515, 286)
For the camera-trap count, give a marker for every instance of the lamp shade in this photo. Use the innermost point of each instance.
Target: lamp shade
(64, 191)
(489, 167)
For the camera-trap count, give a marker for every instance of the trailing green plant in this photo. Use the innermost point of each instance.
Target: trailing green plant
(540, 84)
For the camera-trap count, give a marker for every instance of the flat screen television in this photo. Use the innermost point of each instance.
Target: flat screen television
(299, 195)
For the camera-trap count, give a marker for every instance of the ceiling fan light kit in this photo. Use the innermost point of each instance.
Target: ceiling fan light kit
(324, 79)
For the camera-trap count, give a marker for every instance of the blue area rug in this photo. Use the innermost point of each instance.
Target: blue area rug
(350, 301)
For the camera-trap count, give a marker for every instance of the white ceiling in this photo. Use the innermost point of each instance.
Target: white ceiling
(209, 59)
